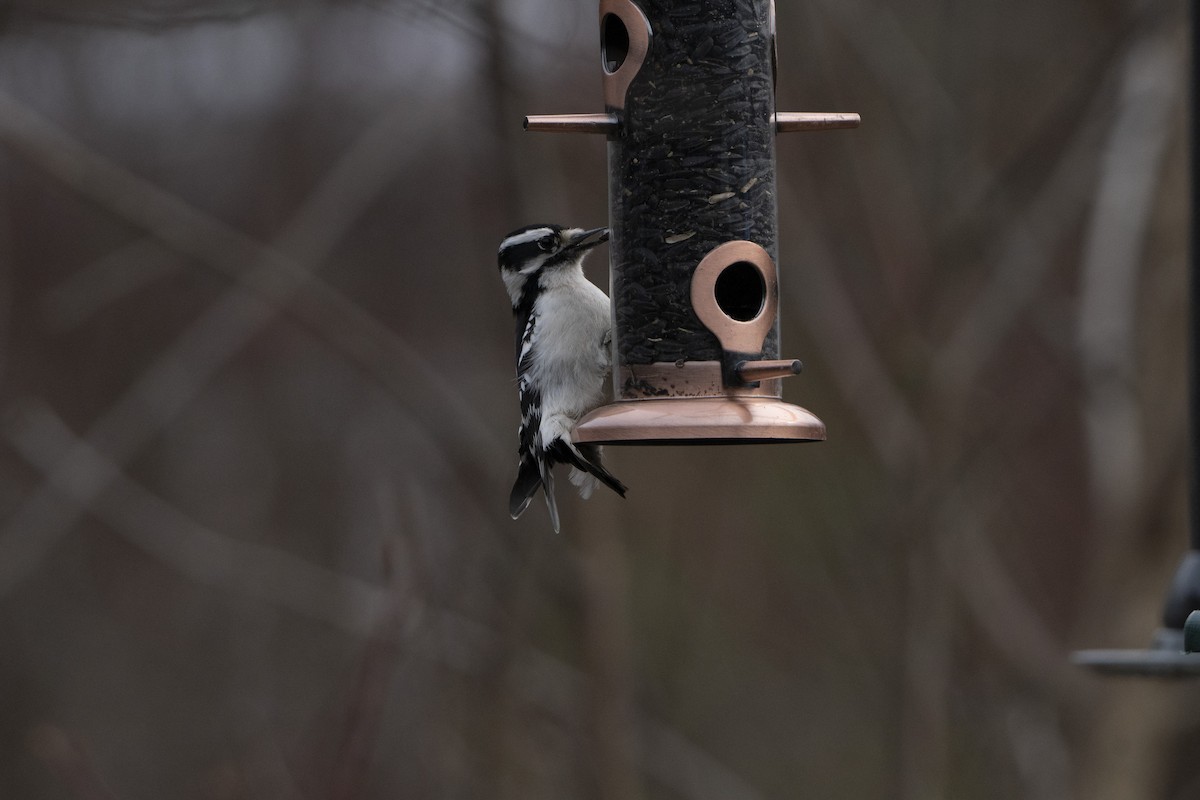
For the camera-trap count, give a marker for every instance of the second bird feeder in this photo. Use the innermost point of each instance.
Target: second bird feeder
(689, 91)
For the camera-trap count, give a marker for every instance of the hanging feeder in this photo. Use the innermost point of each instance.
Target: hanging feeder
(1175, 649)
(689, 95)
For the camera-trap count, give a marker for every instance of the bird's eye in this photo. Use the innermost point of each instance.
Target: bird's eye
(547, 242)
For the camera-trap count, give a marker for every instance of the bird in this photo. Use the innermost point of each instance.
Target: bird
(563, 333)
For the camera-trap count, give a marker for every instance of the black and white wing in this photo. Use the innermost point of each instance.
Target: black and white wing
(533, 470)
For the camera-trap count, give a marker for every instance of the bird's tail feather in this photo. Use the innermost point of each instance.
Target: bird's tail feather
(529, 478)
(548, 486)
(586, 457)
(587, 472)
(531, 474)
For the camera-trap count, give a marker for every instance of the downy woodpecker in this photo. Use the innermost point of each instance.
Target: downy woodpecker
(563, 331)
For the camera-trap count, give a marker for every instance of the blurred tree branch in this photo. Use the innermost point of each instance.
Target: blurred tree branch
(957, 531)
(352, 605)
(158, 528)
(107, 280)
(863, 378)
(71, 760)
(1113, 259)
(281, 273)
(605, 586)
(140, 13)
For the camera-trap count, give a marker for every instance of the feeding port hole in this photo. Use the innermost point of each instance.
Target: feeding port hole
(614, 42)
(741, 291)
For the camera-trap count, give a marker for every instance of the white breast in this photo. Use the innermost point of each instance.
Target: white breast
(570, 359)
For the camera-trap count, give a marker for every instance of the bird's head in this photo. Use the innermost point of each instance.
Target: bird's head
(529, 252)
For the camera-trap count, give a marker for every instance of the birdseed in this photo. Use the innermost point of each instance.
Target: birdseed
(698, 131)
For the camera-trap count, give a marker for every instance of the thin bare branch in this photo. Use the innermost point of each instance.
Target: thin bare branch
(105, 281)
(70, 760)
(605, 587)
(1151, 86)
(1025, 255)
(865, 383)
(364, 707)
(1001, 610)
(281, 273)
(880, 41)
(200, 553)
(146, 16)
(352, 605)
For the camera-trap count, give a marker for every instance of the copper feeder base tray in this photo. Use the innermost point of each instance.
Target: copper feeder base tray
(700, 420)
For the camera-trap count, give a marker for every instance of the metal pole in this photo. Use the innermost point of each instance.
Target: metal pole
(1194, 278)
(1184, 596)
(1175, 652)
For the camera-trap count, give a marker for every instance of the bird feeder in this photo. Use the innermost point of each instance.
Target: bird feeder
(689, 95)
(1175, 648)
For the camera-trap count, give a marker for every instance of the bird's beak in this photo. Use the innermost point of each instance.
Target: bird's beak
(586, 240)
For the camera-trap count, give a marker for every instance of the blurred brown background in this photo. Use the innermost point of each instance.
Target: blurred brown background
(258, 417)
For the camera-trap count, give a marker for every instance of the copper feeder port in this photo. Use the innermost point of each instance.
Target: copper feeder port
(624, 44)
(734, 294)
